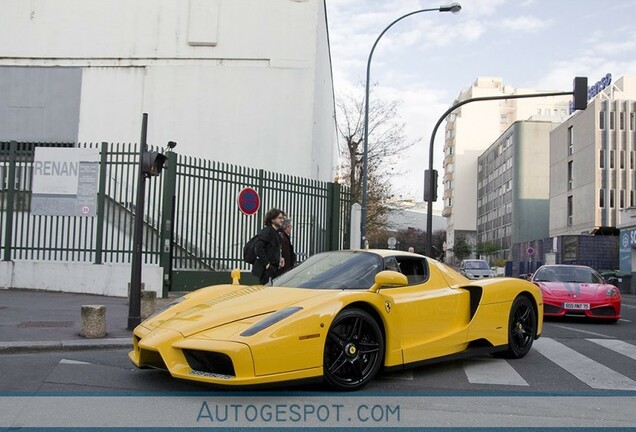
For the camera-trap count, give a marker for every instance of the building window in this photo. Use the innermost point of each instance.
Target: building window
(621, 159)
(632, 120)
(601, 198)
(611, 159)
(632, 159)
(612, 116)
(570, 209)
(601, 120)
(621, 199)
(601, 159)
(621, 120)
(632, 198)
(611, 198)
(570, 170)
(570, 140)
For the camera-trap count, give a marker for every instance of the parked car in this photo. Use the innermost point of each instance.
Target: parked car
(340, 317)
(475, 269)
(577, 290)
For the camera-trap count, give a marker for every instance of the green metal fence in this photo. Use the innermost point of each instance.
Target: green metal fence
(193, 225)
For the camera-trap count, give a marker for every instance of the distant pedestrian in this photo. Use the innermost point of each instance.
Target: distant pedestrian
(411, 249)
(287, 247)
(268, 247)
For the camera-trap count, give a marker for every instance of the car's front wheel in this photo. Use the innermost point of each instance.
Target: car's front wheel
(354, 350)
(522, 327)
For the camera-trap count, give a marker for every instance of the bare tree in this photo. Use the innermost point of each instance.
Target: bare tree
(387, 143)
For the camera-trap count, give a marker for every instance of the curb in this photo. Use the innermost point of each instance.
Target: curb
(20, 347)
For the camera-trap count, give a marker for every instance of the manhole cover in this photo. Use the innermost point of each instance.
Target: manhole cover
(46, 324)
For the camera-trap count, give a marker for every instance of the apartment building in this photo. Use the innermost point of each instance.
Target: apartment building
(469, 131)
(513, 187)
(593, 163)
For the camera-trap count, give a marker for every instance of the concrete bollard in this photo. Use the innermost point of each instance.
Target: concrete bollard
(93, 321)
(148, 303)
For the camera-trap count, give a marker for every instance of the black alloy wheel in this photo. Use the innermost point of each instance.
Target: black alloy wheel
(354, 350)
(522, 328)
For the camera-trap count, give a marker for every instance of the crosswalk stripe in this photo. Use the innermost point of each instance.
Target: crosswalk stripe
(592, 373)
(492, 371)
(617, 346)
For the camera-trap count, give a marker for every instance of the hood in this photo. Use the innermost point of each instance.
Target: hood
(246, 302)
(577, 290)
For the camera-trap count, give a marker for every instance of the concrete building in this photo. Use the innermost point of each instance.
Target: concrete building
(593, 162)
(470, 130)
(237, 81)
(513, 184)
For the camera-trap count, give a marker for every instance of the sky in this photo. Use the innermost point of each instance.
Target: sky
(426, 59)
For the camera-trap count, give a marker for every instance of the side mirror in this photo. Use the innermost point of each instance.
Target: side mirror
(388, 278)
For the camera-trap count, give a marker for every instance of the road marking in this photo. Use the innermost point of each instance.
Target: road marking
(624, 320)
(74, 362)
(618, 346)
(583, 331)
(492, 371)
(584, 368)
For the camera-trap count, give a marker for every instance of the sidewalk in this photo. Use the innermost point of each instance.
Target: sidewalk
(51, 321)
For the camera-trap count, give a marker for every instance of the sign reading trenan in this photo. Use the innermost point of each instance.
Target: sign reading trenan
(65, 181)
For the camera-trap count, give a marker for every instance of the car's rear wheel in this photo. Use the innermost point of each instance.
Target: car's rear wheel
(522, 328)
(354, 350)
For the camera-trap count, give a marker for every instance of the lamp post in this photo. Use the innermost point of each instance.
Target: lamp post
(454, 8)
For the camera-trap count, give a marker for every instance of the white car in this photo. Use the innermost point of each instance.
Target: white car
(475, 269)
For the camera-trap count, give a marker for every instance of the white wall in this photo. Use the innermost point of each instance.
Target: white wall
(102, 279)
(239, 81)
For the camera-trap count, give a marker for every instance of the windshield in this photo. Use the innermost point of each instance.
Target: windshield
(477, 265)
(335, 270)
(567, 274)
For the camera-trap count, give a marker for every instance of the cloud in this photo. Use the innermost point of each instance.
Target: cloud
(526, 24)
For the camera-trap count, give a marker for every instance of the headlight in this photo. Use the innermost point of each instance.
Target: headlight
(611, 292)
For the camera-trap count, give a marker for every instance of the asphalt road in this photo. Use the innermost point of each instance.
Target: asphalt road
(573, 359)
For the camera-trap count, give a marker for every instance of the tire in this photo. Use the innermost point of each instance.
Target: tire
(354, 350)
(522, 328)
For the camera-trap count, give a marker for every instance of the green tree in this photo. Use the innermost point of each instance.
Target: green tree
(387, 143)
(487, 248)
(461, 249)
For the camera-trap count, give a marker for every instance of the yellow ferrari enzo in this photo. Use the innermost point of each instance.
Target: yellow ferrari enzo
(339, 316)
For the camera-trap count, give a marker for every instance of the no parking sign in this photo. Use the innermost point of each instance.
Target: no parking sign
(249, 201)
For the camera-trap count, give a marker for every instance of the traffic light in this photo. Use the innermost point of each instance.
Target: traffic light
(580, 93)
(152, 163)
(430, 176)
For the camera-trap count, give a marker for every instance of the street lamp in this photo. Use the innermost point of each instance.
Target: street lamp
(454, 8)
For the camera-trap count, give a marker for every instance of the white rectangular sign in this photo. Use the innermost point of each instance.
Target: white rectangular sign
(65, 181)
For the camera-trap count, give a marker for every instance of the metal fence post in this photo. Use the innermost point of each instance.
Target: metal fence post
(101, 198)
(168, 202)
(333, 216)
(8, 233)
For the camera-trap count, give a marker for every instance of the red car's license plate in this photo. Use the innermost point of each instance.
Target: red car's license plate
(576, 306)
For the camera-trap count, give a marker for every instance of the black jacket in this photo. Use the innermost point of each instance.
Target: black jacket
(288, 251)
(267, 247)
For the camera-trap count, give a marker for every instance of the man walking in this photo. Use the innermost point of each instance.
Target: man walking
(287, 247)
(268, 247)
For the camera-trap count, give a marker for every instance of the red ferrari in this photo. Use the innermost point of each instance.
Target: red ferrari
(577, 290)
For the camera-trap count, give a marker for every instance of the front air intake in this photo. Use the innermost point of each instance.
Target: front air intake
(210, 362)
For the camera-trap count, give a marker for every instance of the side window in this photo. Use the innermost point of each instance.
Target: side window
(415, 269)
